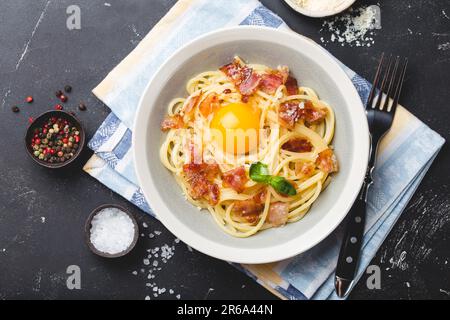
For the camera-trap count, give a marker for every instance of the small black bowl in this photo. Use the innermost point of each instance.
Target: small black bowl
(87, 230)
(39, 122)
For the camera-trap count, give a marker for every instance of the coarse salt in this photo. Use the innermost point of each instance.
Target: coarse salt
(355, 28)
(112, 231)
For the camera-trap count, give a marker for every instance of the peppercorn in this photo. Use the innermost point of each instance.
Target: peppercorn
(58, 107)
(55, 141)
(15, 109)
(82, 106)
(29, 99)
(58, 93)
(67, 88)
(63, 98)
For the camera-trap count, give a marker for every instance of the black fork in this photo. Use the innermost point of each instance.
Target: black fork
(380, 109)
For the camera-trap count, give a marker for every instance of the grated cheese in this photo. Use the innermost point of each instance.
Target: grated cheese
(320, 5)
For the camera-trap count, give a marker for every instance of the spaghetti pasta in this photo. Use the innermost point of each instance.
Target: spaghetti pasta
(293, 132)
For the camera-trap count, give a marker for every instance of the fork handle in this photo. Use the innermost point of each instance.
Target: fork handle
(351, 245)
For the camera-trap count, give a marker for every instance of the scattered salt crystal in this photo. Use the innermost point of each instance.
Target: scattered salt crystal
(146, 262)
(43, 219)
(171, 291)
(155, 294)
(147, 297)
(155, 288)
(177, 240)
(134, 273)
(144, 225)
(112, 231)
(155, 263)
(178, 296)
(151, 235)
(355, 28)
(157, 232)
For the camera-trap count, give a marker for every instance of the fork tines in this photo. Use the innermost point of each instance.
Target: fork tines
(388, 81)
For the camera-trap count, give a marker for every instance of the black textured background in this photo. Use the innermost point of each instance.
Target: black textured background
(38, 55)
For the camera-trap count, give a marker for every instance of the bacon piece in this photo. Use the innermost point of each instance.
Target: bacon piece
(233, 71)
(172, 122)
(288, 114)
(311, 114)
(291, 86)
(326, 161)
(297, 145)
(235, 179)
(200, 178)
(250, 209)
(304, 169)
(278, 213)
(243, 77)
(249, 81)
(209, 105)
(270, 82)
(283, 71)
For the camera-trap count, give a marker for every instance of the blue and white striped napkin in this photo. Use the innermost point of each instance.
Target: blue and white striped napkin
(405, 154)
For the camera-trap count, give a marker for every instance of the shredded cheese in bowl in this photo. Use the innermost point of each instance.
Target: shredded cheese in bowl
(319, 8)
(320, 5)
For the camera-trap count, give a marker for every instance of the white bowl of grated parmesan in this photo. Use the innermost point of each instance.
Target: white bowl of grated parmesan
(319, 8)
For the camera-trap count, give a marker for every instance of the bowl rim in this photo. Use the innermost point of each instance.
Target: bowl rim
(76, 122)
(289, 248)
(87, 231)
(320, 14)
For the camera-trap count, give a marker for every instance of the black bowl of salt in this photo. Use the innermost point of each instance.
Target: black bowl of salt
(111, 231)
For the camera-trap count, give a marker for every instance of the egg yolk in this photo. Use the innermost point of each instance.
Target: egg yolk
(235, 127)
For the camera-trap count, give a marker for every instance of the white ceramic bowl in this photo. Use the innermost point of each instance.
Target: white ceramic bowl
(322, 13)
(313, 67)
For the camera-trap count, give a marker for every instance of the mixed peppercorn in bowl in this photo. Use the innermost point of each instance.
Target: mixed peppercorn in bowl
(54, 139)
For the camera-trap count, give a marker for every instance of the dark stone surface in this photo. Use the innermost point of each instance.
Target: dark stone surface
(39, 55)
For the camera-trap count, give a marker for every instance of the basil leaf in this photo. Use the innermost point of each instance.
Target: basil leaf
(259, 172)
(281, 185)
